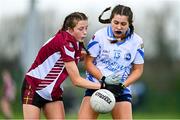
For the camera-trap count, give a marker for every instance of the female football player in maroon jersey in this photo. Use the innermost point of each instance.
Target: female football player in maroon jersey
(56, 60)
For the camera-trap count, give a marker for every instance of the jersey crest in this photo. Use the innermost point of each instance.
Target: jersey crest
(127, 56)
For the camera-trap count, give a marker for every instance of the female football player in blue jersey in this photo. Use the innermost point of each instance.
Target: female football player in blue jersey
(57, 59)
(115, 49)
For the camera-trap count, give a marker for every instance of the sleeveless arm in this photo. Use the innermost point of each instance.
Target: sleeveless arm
(76, 79)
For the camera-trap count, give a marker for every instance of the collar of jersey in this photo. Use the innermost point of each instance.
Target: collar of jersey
(110, 35)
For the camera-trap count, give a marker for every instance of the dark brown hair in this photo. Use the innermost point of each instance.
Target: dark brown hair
(72, 19)
(119, 10)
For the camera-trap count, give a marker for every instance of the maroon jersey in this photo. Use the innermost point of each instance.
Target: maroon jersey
(48, 71)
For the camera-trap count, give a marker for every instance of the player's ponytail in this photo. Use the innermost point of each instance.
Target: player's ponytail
(104, 21)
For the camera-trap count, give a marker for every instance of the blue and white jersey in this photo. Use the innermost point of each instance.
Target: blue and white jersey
(115, 57)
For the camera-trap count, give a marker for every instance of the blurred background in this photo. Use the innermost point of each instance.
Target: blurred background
(26, 24)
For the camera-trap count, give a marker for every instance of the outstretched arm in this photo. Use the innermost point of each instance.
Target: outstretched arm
(76, 79)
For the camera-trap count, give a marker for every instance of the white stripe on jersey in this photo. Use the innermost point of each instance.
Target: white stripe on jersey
(68, 52)
(42, 70)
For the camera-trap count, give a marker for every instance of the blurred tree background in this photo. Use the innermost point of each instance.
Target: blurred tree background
(21, 36)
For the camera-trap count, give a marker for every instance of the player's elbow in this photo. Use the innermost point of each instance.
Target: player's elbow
(76, 81)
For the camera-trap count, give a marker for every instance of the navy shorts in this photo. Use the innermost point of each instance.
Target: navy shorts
(29, 96)
(123, 97)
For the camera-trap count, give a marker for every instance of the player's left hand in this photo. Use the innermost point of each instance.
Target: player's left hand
(116, 89)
